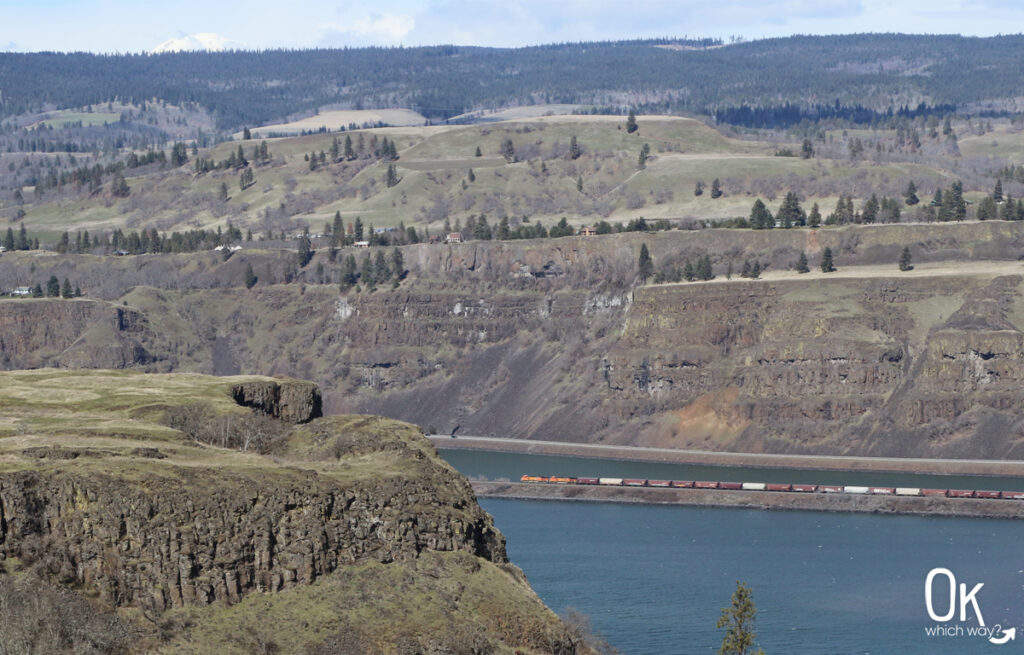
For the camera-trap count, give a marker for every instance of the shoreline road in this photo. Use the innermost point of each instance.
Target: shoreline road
(741, 460)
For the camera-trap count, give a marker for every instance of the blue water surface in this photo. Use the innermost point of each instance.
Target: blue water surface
(653, 579)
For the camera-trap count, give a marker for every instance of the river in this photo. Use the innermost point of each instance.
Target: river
(653, 579)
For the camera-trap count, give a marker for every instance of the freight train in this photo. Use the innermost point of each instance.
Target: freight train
(771, 486)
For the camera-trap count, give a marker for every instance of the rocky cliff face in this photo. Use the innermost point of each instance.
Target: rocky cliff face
(292, 401)
(72, 334)
(216, 536)
(484, 340)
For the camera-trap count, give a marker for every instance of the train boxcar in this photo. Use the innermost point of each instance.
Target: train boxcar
(934, 492)
(776, 486)
(882, 491)
(682, 484)
(658, 483)
(805, 488)
(853, 489)
(986, 494)
(634, 482)
(830, 489)
(960, 493)
(908, 491)
(1013, 495)
(610, 482)
(705, 485)
(587, 480)
(730, 485)
(754, 486)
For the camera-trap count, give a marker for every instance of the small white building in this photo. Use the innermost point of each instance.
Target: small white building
(22, 291)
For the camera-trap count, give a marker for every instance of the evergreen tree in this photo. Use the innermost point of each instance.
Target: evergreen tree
(870, 213)
(482, 230)
(688, 273)
(471, 176)
(826, 261)
(814, 218)
(478, 153)
(704, 271)
(631, 125)
(246, 134)
(53, 287)
(397, 264)
(997, 192)
(574, 148)
(391, 177)
(349, 273)
(801, 264)
(305, 251)
(37, 291)
(716, 188)
(179, 154)
(358, 229)
(957, 202)
(250, 277)
(23, 242)
(645, 264)
(790, 213)
(508, 150)
(760, 217)
(645, 153)
(738, 620)
(698, 188)
(349, 153)
(579, 184)
(66, 290)
(366, 275)
(9, 240)
(987, 209)
(382, 269)
(223, 194)
(119, 187)
(905, 264)
(1008, 211)
(807, 149)
(910, 195)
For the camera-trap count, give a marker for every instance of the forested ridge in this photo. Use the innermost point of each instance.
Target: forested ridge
(878, 72)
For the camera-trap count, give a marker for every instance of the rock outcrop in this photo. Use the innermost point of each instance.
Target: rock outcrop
(216, 536)
(292, 401)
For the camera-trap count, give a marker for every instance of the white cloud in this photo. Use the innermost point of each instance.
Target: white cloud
(194, 42)
(382, 28)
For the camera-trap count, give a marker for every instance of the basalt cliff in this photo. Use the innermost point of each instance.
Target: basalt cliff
(556, 339)
(199, 514)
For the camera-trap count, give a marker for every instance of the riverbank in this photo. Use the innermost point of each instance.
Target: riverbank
(931, 506)
(739, 460)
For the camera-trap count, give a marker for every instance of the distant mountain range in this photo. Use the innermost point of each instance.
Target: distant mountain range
(879, 72)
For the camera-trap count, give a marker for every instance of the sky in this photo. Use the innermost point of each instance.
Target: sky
(143, 25)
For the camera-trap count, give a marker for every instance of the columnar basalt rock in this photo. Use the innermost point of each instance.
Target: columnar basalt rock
(193, 536)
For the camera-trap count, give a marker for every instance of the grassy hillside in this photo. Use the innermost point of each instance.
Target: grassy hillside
(440, 178)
